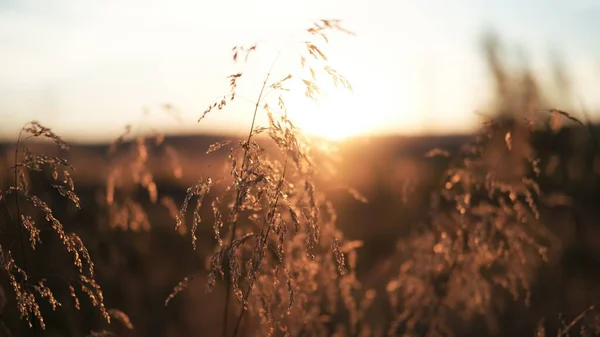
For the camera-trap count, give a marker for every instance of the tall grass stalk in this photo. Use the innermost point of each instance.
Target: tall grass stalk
(265, 184)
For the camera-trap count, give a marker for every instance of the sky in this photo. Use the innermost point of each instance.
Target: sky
(87, 68)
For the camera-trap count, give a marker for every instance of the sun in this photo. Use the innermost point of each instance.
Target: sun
(336, 115)
(331, 118)
(377, 104)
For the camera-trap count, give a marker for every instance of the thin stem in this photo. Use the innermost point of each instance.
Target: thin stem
(18, 219)
(16, 171)
(577, 319)
(263, 246)
(239, 191)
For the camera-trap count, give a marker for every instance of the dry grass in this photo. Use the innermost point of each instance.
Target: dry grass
(275, 265)
(23, 233)
(476, 229)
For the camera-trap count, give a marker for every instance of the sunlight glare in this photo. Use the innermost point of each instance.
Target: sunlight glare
(335, 117)
(340, 114)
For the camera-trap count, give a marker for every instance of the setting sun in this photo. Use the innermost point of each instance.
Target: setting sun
(334, 117)
(339, 113)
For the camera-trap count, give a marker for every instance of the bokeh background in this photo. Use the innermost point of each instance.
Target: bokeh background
(422, 72)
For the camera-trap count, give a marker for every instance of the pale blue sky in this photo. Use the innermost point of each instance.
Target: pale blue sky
(86, 68)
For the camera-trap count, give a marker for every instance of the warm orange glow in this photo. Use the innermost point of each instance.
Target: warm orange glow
(334, 117)
(368, 109)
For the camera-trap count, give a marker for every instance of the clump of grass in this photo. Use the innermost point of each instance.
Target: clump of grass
(278, 249)
(483, 234)
(32, 220)
(483, 239)
(130, 169)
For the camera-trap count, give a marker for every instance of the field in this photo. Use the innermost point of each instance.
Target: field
(276, 233)
(139, 263)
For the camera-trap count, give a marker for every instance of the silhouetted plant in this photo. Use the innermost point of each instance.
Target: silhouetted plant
(32, 221)
(484, 235)
(278, 250)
